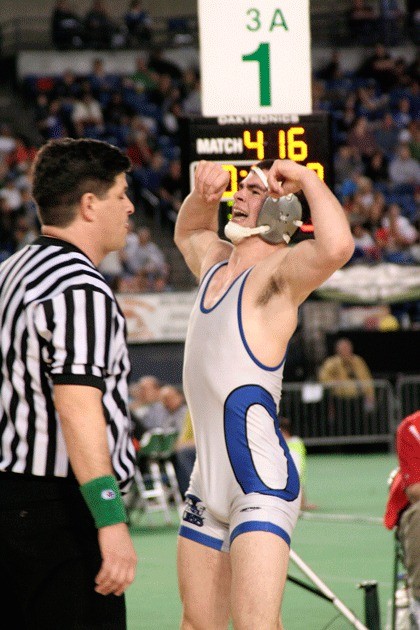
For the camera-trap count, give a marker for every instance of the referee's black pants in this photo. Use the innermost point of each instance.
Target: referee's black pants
(49, 557)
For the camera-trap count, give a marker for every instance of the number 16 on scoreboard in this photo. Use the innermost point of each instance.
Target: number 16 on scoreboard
(255, 57)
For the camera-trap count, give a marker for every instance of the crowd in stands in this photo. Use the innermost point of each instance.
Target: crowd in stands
(376, 131)
(376, 136)
(96, 29)
(387, 18)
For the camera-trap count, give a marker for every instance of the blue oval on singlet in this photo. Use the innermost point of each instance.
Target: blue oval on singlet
(236, 409)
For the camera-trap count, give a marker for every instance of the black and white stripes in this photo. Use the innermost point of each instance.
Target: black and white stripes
(59, 323)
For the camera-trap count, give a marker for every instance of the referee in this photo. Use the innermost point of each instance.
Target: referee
(66, 456)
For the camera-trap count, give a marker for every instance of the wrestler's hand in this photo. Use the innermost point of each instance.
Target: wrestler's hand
(286, 177)
(211, 181)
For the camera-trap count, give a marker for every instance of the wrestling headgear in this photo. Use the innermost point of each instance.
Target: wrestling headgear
(277, 221)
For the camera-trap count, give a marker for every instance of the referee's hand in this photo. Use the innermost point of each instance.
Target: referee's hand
(119, 560)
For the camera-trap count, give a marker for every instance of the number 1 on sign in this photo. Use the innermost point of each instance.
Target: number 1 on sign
(262, 56)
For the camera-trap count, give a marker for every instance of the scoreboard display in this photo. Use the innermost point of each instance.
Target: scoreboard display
(238, 142)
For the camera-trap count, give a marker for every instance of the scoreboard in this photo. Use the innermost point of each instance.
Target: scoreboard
(238, 142)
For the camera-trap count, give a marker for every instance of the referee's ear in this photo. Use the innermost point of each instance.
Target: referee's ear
(88, 206)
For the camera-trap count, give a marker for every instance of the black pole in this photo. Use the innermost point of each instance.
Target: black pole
(372, 615)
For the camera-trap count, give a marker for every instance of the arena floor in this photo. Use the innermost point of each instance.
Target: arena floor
(343, 542)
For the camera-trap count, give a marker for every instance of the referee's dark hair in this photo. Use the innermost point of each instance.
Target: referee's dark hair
(65, 169)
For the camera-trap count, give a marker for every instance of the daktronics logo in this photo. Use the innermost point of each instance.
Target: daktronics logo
(263, 119)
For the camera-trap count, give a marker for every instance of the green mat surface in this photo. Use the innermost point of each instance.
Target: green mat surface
(343, 550)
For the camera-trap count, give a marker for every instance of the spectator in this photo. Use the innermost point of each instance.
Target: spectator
(169, 129)
(179, 31)
(403, 169)
(320, 97)
(361, 138)
(23, 234)
(414, 139)
(188, 82)
(143, 77)
(101, 83)
(170, 190)
(402, 511)
(139, 24)
(298, 452)
(377, 168)
(369, 102)
(66, 27)
(11, 193)
(391, 21)
(147, 181)
(28, 208)
(366, 250)
(67, 87)
(23, 153)
(100, 29)
(163, 94)
(51, 119)
(363, 21)
(144, 400)
(345, 116)
(184, 456)
(112, 269)
(376, 212)
(396, 236)
(168, 412)
(162, 65)
(413, 20)
(117, 117)
(347, 163)
(116, 112)
(364, 199)
(7, 226)
(403, 115)
(7, 139)
(403, 78)
(139, 148)
(143, 258)
(351, 391)
(191, 104)
(172, 398)
(379, 66)
(386, 134)
(365, 193)
(87, 115)
(332, 70)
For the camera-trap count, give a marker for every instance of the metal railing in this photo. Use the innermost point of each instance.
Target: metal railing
(408, 395)
(320, 416)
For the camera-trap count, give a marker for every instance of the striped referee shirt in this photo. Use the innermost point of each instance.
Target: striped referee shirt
(60, 323)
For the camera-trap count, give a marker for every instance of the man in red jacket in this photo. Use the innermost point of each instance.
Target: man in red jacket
(403, 506)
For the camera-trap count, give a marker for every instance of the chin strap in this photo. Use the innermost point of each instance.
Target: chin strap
(236, 233)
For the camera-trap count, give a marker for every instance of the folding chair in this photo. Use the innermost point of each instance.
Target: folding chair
(400, 615)
(167, 449)
(154, 477)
